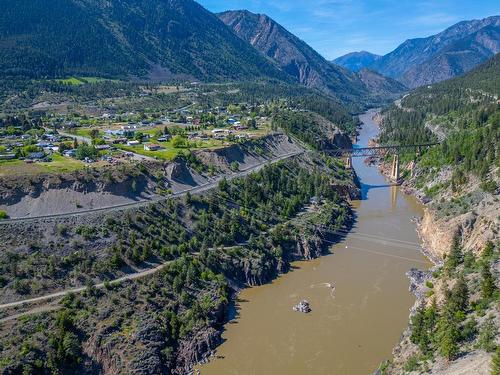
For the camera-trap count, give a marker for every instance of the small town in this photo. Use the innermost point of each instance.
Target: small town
(64, 143)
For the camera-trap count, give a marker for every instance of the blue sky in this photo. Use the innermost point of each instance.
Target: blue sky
(336, 27)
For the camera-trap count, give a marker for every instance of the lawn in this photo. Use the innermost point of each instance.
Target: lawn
(77, 81)
(59, 164)
(169, 152)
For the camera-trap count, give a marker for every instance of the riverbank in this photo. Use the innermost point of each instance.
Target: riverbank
(470, 228)
(351, 329)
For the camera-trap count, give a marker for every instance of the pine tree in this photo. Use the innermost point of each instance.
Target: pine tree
(495, 362)
(459, 299)
(488, 335)
(448, 346)
(455, 258)
(447, 335)
(488, 250)
(488, 286)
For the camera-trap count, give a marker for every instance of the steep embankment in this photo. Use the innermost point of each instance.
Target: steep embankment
(241, 234)
(126, 185)
(454, 322)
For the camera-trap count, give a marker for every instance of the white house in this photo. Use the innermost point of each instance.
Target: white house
(152, 147)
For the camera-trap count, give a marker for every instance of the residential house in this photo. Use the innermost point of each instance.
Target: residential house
(70, 153)
(36, 155)
(164, 138)
(152, 147)
(7, 156)
(102, 147)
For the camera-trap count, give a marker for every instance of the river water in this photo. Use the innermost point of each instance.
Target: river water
(351, 329)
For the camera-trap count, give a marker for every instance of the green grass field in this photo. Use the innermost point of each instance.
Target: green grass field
(169, 152)
(59, 164)
(77, 81)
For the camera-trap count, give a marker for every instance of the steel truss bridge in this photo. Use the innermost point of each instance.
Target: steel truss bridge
(379, 151)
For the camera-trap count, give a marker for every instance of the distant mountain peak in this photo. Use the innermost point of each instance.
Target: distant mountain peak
(421, 61)
(293, 55)
(450, 53)
(356, 61)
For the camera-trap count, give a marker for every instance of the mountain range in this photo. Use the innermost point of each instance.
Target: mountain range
(423, 61)
(293, 55)
(156, 39)
(161, 40)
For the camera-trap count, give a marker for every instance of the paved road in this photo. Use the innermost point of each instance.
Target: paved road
(194, 190)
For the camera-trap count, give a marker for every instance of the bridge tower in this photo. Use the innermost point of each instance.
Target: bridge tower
(348, 162)
(395, 168)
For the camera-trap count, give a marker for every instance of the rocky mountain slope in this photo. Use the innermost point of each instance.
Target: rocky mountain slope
(458, 181)
(293, 55)
(356, 61)
(381, 86)
(149, 39)
(423, 61)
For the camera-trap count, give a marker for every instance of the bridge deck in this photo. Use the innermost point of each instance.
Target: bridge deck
(379, 151)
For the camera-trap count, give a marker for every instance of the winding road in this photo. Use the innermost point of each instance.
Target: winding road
(140, 274)
(63, 293)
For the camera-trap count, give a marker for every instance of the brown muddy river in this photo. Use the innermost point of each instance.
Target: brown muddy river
(350, 330)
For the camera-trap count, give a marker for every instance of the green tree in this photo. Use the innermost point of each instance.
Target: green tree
(447, 335)
(488, 250)
(86, 151)
(179, 141)
(487, 335)
(459, 298)
(495, 362)
(488, 286)
(94, 133)
(455, 257)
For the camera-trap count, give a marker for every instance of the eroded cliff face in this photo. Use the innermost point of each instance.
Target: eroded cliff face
(54, 194)
(467, 211)
(476, 228)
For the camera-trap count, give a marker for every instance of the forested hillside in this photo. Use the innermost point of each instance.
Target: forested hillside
(454, 324)
(149, 39)
(245, 233)
(463, 113)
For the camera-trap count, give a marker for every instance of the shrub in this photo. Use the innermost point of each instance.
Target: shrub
(411, 364)
(3, 215)
(235, 166)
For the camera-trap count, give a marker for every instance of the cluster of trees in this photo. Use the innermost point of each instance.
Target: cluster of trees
(84, 151)
(445, 329)
(330, 109)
